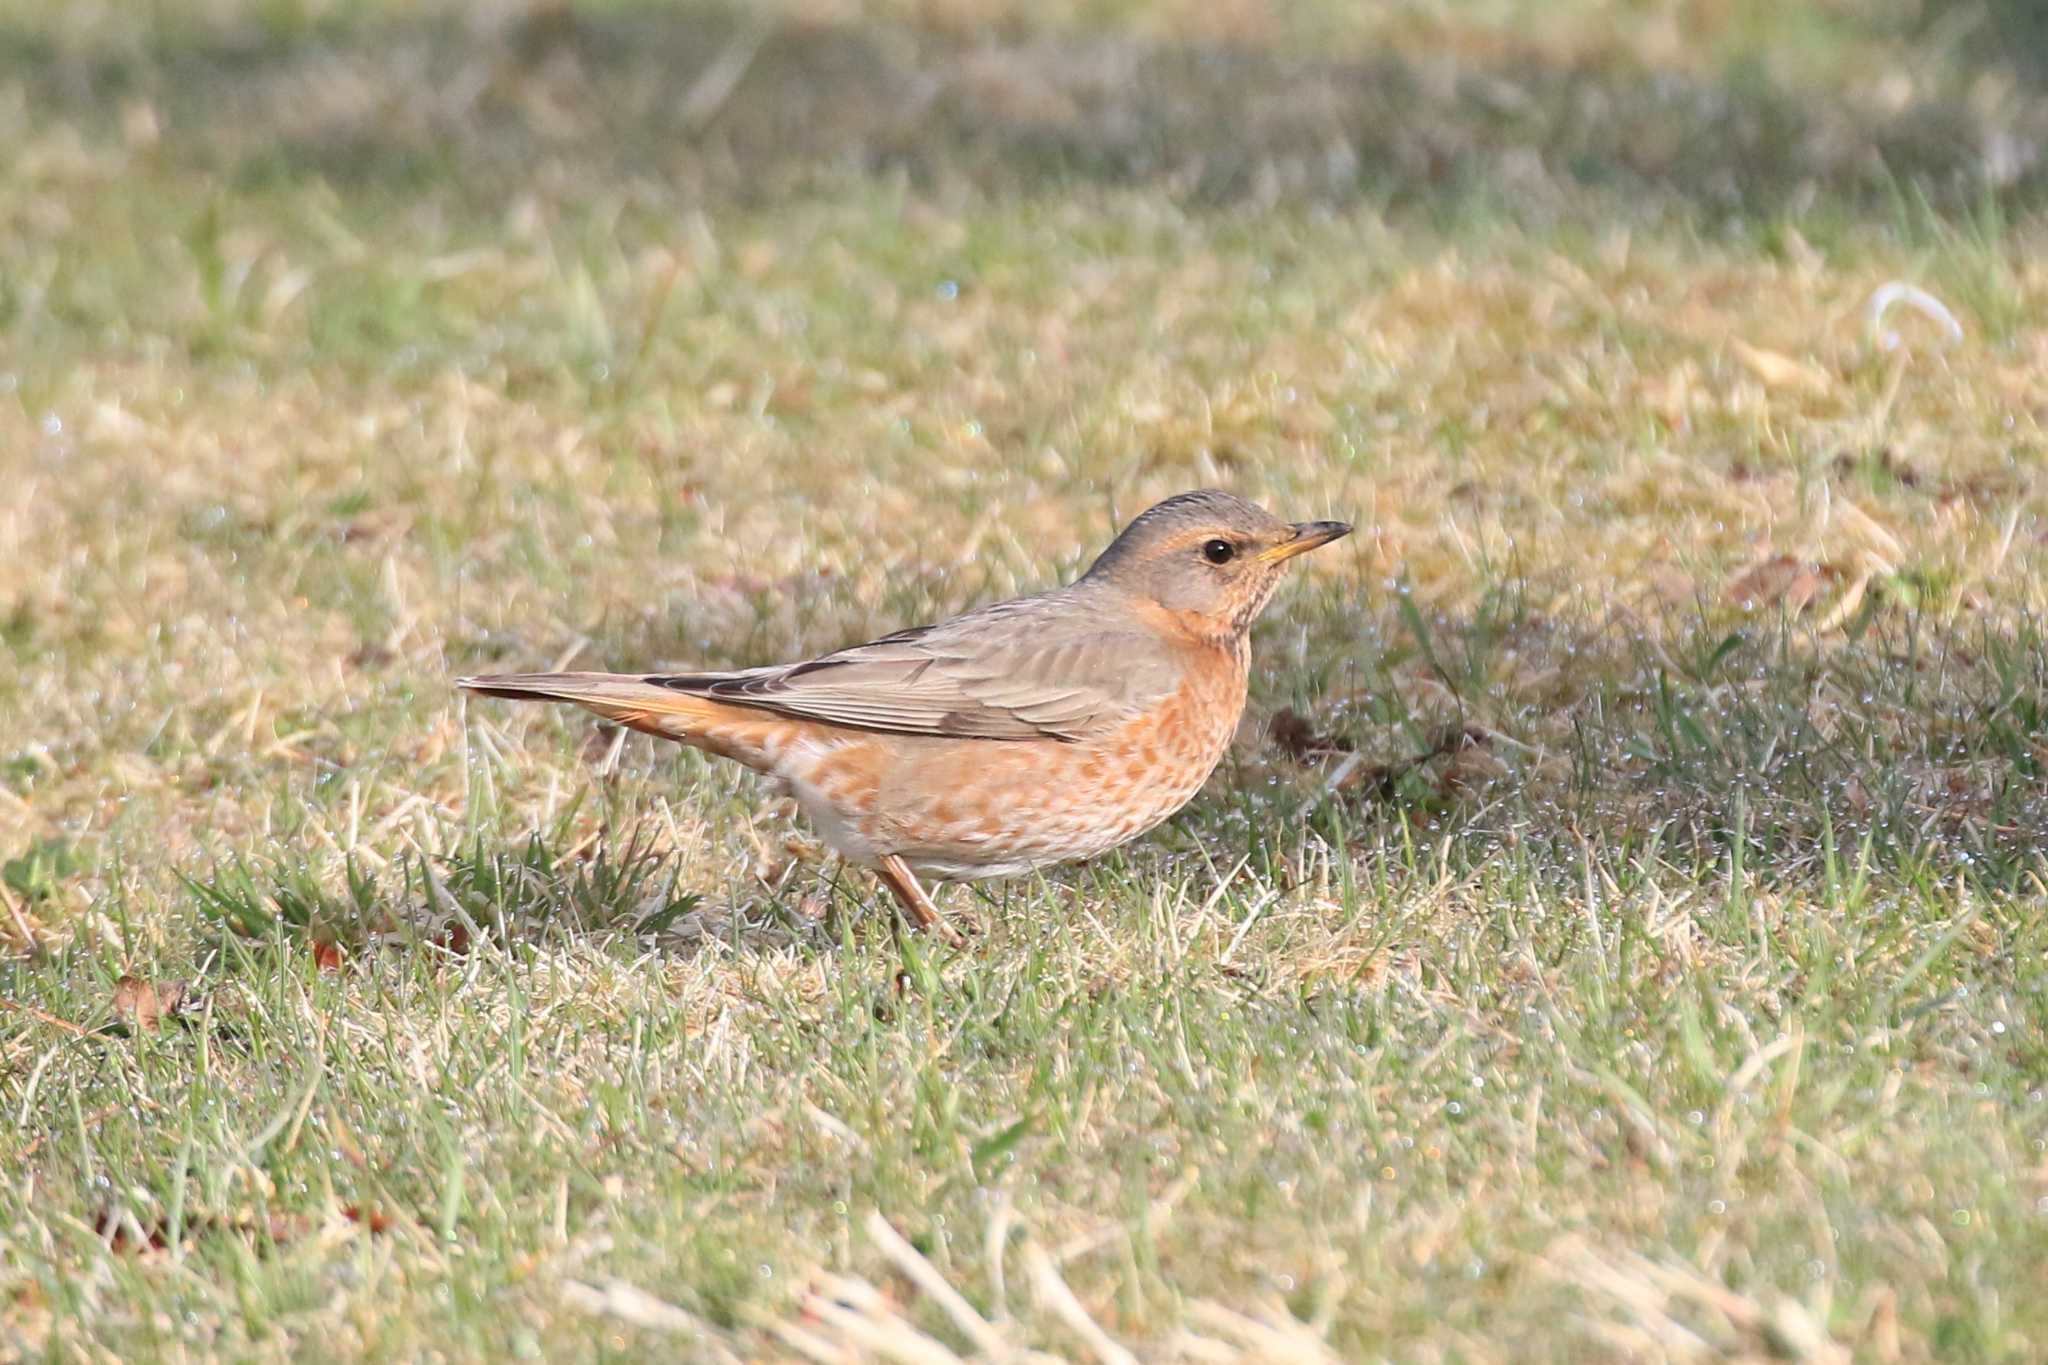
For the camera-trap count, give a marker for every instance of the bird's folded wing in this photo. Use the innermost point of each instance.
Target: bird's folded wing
(1031, 680)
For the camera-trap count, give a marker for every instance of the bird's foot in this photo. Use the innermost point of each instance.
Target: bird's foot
(917, 904)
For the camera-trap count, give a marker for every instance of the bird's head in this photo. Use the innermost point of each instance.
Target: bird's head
(1207, 554)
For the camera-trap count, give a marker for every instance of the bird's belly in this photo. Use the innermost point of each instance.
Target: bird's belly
(963, 809)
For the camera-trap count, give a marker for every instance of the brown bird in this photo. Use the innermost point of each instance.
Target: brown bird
(1032, 731)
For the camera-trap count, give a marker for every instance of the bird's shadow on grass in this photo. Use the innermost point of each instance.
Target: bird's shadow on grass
(547, 887)
(1916, 740)
(721, 104)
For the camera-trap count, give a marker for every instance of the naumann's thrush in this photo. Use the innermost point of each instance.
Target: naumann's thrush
(1033, 731)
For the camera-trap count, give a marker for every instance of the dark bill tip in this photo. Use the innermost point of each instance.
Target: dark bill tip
(1307, 536)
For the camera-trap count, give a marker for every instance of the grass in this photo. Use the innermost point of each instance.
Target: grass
(1618, 931)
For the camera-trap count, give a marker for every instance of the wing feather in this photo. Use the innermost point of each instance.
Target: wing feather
(1035, 668)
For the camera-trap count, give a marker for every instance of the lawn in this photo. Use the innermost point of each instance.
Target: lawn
(1620, 929)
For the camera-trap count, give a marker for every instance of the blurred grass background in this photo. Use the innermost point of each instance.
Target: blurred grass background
(1618, 931)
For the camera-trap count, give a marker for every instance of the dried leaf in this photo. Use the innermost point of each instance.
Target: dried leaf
(1778, 370)
(1779, 579)
(122, 1232)
(1852, 518)
(453, 938)
(150, 1231)
(1672, 585)
(373, 1219)
(1846, 606)
(1472, 762)
(142, 1004)
(1300, 740)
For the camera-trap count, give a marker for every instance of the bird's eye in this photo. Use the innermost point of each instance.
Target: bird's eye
(1219, 551)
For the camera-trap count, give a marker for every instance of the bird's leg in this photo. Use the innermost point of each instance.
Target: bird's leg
(897, 876)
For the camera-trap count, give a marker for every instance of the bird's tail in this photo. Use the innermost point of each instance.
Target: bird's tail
(642, 703)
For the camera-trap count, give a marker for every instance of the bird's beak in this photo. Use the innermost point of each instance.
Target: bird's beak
(1306, 536)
